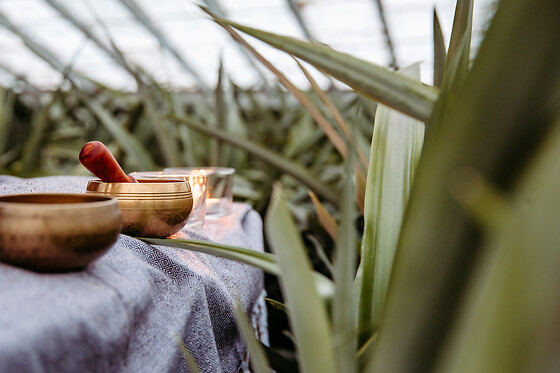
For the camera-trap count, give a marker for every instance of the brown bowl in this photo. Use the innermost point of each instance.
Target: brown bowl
(150, 208)
(52, 232)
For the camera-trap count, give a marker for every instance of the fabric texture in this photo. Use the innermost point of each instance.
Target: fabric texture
(129, 310)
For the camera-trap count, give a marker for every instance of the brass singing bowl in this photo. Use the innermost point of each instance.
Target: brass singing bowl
(150, 208)
(53, 232)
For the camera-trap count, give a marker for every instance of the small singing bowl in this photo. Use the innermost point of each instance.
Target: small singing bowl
(56, 232)
(150, 208)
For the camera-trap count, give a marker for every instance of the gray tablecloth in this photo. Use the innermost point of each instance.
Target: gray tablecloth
(125, 310)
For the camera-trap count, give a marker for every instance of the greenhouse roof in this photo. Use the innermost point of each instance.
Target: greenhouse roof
(148, 33)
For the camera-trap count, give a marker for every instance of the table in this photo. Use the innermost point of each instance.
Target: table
(124, 312)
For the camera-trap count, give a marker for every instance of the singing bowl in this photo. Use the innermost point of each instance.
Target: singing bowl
(54, 232)
(150, 208)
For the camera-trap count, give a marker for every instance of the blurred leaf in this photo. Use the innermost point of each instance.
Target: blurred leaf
(360, 191)
(34, 47)
(189, 359)
(39, 124)
(279, 306)
(215, 7)
(215, 149)
(133, 148)
(291, 168)
(325, 99)
(387, 35)
(294, 7)
(325, 218)
(161, 127)
(486, 204)
(307, 313)
(236, 123)
(498, 119)
(360, 168)
(344, 315)
(462, 28)
(303, 134)
(281, 363)
(7, 102)
(454, 76)
(144, 19)
(365, 352)
(395, 149)
(440, 55)
(510, 321)
(325, 125)
(257, 355)
(86, 30)
(406, 95)
(321, 254)
(7, 158)
(458, 58)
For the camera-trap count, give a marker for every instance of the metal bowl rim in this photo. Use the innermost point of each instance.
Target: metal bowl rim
(146, 187)
(96, 201)
(142, 181)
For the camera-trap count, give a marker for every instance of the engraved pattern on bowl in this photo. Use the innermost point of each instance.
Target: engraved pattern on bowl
(53, 232)
(150, 208)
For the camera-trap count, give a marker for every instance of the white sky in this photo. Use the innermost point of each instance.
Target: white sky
(351, 26)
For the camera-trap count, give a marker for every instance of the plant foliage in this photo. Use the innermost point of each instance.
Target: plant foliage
(433, 249)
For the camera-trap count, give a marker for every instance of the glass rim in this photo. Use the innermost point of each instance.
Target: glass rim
(164, 174)
(207, 170)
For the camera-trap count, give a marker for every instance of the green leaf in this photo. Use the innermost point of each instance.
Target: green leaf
(440, 55)
(39, 125)
(462, 28)
(278, 305)
(265, 261)
(395, 150)
(215, 149)
(189, 359)
(343, 308)
(7, 105)
(510, 319)
(257, 354)
(401, 93)
(360, 168)
(458, 57)
(317, 115)
(307, 313)
(499, 118)
(454, 76)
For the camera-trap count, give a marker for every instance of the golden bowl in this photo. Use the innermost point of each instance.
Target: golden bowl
(150, 208)
(52, 232)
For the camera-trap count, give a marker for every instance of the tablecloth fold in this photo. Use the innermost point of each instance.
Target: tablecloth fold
(125, 311)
